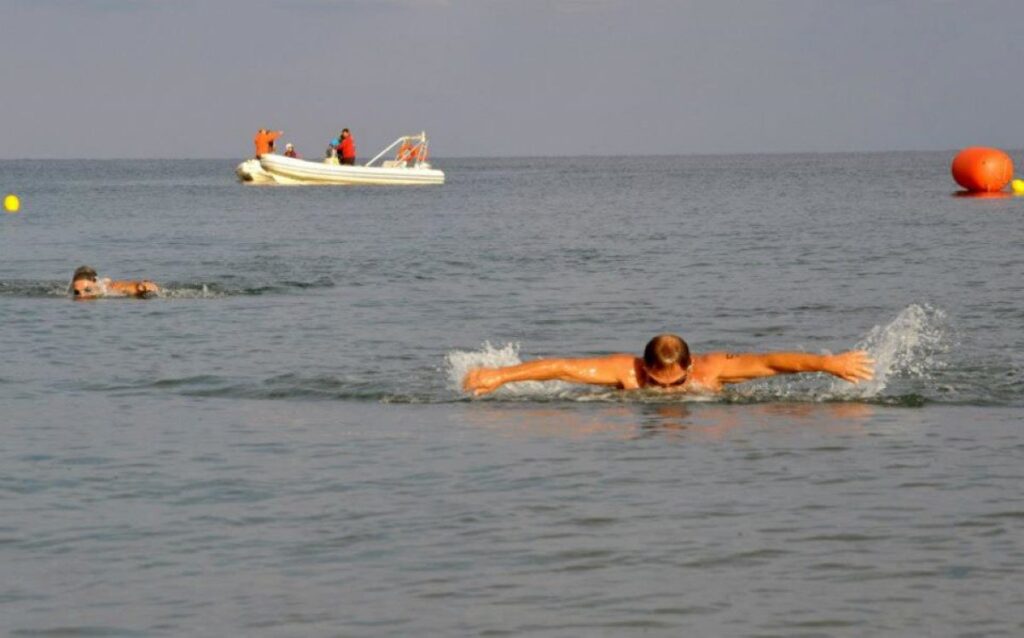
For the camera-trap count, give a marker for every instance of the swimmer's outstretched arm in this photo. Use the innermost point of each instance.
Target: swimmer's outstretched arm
(134, 288)
(614, 370)
(853, 366)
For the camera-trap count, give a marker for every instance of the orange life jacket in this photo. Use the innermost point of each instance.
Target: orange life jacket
(264, 141)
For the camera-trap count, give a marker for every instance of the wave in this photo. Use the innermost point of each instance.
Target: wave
(459, 362)
(907, 350)
(910, 371)
(26, 288)
(169, 290)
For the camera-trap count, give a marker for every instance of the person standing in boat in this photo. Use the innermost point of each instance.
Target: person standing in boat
(347, 148)
(264, 141)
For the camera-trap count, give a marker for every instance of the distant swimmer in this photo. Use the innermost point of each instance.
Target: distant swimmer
(85, 284)
(667, 365)
(264, 141)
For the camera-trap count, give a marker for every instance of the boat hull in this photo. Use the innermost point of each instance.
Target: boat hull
(251, 172)
(289, 170)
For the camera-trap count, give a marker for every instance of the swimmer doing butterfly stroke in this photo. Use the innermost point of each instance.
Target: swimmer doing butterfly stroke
(668, 365)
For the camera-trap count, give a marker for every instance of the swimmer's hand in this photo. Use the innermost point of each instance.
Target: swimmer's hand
(853, 366)
(480, 381)
(146, 287)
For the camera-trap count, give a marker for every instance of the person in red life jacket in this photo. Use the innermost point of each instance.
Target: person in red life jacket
(289, 151)
(264, 141)
(347, 148)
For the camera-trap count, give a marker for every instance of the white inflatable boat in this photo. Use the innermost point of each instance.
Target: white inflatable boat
(410, 167)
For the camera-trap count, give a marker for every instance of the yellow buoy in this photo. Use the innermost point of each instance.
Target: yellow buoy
(11, 203)
(1018, 186)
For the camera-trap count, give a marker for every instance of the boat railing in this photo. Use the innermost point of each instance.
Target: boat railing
(419, 140)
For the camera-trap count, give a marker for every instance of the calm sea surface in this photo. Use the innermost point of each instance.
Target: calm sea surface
(277, 446)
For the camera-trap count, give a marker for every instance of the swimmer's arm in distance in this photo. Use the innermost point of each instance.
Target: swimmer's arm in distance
(134, 288)
(618, 370)
(853, 366)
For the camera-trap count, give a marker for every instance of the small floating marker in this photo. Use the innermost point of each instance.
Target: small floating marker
(11, 203)
(1018, 186)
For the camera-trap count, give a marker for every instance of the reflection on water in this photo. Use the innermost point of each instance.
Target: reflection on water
(685, 421)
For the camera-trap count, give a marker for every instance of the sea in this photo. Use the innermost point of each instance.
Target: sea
(277, 445)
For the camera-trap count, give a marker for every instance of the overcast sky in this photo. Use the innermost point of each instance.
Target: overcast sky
(195, 78)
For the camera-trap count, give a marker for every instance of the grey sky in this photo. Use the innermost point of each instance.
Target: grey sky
(195, 78)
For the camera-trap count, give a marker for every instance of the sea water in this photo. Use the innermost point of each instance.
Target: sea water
(277, 444)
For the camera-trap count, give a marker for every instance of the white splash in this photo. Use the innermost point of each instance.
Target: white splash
(460, 362)
(907, 347)
(189, 292)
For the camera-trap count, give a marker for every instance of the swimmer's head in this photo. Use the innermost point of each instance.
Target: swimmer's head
(666, 359)
(84, 272)
(84, 284)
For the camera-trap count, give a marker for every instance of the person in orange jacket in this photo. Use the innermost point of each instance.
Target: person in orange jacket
(264, 141)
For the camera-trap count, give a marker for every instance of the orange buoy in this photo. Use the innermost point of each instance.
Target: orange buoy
(406, 153)
(982, 170)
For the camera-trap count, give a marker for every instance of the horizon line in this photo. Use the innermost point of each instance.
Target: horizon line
(542, 156)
